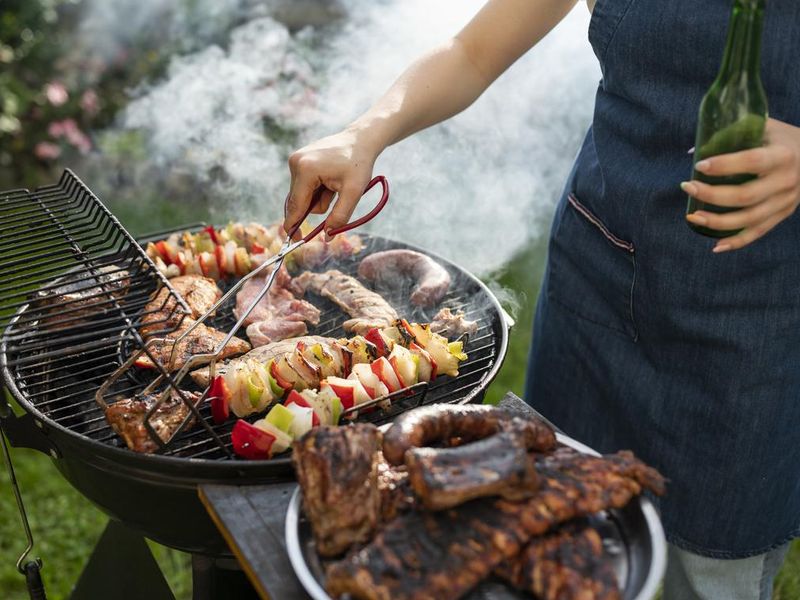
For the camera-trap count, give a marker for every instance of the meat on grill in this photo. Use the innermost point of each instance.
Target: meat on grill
(126, 417)
(395, 490)
(453, 324)
(366, 308)
(337, 470)
(84, 297)
(442, 555)
(431, 279)
(441, 423)
(262, 333)
(162, 313)
(279, 304)
(567, 563)
(262, 354)
(498, 465)
(202, 340)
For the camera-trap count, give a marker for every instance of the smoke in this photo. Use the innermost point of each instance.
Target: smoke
(475, 189)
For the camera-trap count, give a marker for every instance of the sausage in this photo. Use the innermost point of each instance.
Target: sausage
(440, 423)
(432, 279)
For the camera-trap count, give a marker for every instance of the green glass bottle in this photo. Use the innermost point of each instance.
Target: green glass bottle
(733, 113)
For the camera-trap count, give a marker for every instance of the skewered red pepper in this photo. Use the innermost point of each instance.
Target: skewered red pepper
(250, 441)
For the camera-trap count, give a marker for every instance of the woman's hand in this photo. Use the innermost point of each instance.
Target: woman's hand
(339, 164)
(765, 201)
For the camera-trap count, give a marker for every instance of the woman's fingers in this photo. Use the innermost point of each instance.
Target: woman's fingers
(753, 232)
(745, 217)
(300, 194)
(756, 161)
(345, 205)
(745, 194)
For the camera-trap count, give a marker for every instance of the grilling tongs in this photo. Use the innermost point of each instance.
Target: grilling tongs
(198, 360)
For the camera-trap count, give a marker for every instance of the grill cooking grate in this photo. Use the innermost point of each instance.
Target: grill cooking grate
(58, 357)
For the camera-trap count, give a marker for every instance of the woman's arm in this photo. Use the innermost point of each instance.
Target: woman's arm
(437, 86)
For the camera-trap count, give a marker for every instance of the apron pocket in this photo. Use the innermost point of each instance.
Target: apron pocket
(591, 271)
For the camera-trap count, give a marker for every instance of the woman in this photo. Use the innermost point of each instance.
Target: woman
(644, 337)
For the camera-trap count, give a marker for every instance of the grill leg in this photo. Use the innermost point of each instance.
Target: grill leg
(219, 580)
(121, 567)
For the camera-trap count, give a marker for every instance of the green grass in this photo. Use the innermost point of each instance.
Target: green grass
(66, 526)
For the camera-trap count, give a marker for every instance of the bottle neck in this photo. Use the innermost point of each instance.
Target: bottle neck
(743, 48)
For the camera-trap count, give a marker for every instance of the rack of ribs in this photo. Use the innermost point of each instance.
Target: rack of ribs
(444, 554)
(568, 562)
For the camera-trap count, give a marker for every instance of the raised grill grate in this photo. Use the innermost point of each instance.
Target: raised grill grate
(57, 358)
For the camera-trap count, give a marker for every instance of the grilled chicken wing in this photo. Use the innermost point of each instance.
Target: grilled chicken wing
(366, 308)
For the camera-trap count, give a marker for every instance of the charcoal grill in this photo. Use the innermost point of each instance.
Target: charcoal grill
(54, 358)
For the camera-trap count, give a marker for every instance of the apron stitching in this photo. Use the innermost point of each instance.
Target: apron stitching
(627, 246)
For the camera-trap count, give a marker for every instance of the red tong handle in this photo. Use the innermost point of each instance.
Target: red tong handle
(380, 179)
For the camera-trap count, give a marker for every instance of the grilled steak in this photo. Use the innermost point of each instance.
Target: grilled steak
(262, 354)
(202, 340)
(441, 423)
(162, 312)
(71, 304)
(366, 308)
(566, 563)
(431, 279)
(127, 419)
(495, 466)
(442, 555)
(337, 469)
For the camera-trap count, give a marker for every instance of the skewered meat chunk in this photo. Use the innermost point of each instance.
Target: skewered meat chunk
(126, 417)
(495, 466)
(441, 423)
(337, 469)
(568, 563)
(453, 324)
(366, 308)
(262, 354)
(202, 340)
(442, 555)
(87, 295)
(432, 279)
(162, 312)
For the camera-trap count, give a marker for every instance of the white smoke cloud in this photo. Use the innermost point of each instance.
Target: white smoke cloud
(474, 189)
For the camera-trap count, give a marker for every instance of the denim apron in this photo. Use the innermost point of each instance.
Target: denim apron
(645, 339)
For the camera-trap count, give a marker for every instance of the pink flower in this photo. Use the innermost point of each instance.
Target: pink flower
(69, 129)
(47, 151)
(90, 102)
(56, 93)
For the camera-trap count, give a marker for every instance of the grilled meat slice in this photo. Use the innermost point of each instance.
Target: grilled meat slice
(88, 295)
(566, 564)
(162, 313)
(442, 555)
(366, 308)
(453, 324)
(441, 423)
(431, 279)
(280, 304)
(262, 354)
(126, 417)
(203, 340)
(337, 470)
(429, 555)
(495, 466)
(262, 333)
